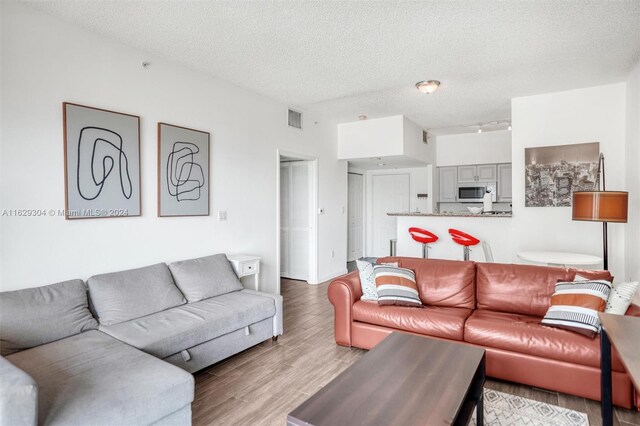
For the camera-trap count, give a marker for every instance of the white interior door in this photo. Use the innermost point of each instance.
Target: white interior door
(390, 193)
(356, 216)
(294, 220)
(285, 218)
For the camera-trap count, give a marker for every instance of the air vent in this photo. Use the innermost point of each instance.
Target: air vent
(425, 137)
(295, 119)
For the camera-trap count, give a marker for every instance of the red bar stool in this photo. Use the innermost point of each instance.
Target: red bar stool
(425, 238)
(464, 239)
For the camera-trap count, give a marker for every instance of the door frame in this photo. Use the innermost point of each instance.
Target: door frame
(362, 174)
(313, 217)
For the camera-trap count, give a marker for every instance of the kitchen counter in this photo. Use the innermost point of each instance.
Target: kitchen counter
(460, 214)
(496, 231)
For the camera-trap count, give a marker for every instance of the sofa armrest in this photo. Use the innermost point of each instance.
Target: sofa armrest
(343, 292)
(278, 328)
(18, 396)
(634, 310)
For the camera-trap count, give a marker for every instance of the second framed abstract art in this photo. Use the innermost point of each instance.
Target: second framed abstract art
(183, 171)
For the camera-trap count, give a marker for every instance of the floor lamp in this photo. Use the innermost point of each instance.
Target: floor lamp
(601, 206)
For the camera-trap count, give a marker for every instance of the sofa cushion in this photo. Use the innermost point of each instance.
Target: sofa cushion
(18, 396)
(620, 297)
(205, 277)
(447, 323)
(125, 295)
(91, 378)
(449, 283)
(575, 306)
(396, 286)
(519, 289)
(591, 274)
(169, 332)
(35, 316)
(526, 335)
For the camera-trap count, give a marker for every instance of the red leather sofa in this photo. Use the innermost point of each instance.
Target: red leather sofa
(496, 306)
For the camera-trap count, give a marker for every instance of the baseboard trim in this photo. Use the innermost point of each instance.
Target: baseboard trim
(330, 277)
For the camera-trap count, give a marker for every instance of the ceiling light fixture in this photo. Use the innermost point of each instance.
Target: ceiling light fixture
(382, 164)
(428, 87)
(509, 126)
(479, 128)
(362, 117)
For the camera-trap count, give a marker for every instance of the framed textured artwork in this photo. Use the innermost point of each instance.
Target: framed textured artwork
(183, 171)
(552, 173)
(102, 162)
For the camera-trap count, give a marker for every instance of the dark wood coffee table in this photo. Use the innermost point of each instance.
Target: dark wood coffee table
(405, 380)
(623, 332)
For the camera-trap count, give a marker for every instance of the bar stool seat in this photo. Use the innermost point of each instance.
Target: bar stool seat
(424, 237)
(464, 239)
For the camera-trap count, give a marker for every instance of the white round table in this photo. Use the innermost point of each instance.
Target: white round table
(559, 258)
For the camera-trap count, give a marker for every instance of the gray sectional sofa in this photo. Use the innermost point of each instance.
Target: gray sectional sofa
(119, 349)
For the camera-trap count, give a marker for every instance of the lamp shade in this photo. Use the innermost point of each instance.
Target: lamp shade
(600, 206)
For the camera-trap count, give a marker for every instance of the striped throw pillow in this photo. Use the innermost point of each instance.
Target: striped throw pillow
(575, 306)
(396, 286)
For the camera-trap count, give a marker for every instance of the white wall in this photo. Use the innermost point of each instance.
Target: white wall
(474, 148)
(632, 156)
(377, 137)
(413, 145)
(420, 182)
(46, 61)
(384, 137)
(594, 114)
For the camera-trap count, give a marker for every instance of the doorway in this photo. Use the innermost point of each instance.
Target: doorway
(390, 193)
(297, 223)
(355, 213)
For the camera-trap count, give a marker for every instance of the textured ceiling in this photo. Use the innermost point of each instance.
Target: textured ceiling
(345, 58)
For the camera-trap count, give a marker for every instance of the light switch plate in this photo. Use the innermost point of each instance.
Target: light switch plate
(222, 216)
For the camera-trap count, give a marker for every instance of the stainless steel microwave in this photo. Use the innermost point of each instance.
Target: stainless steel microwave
(474, 192)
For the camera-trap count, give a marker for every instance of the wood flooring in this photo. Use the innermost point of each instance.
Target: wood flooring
(261, 385)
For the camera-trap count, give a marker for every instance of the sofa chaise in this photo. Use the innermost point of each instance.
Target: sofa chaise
(120, 348)
(496, 306)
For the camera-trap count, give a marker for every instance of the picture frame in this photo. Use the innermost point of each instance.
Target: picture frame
(101, 162)
(553, 173)
(183, 171)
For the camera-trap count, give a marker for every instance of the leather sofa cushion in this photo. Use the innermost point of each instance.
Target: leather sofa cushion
(519, 289)
(526, 335)
(445, 283)
(592, 274)
(447, 323)
(168, 332)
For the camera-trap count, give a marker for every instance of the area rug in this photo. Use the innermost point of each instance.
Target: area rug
(501, 409)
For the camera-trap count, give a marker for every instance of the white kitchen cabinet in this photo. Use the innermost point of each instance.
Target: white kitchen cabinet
(504, 182)
(479, 173)
(467, 174)
(448, 184)
(486, 173)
